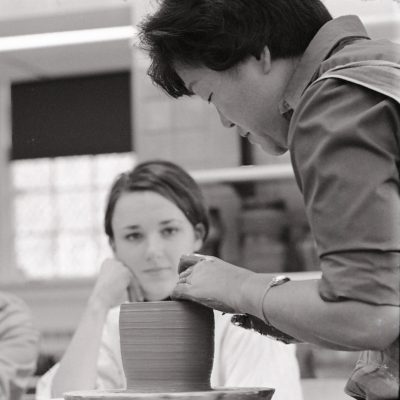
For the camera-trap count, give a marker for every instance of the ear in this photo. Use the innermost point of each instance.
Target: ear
(265, 60)
(199, 232)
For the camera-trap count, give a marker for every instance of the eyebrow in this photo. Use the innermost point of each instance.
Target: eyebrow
(165, 222)
(131, 227)
(173, 220)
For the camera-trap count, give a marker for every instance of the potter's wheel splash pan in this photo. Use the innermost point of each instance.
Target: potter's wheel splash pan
(215, 394)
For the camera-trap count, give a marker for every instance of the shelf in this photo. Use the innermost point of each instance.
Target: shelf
(250, 173)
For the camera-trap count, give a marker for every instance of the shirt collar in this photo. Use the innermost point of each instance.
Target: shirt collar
(326, 39)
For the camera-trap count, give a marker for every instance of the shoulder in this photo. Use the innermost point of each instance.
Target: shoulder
(363, 50)
(333, 136)
(331, 108)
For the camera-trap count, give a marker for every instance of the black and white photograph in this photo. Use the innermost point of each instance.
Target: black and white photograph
(199, 199)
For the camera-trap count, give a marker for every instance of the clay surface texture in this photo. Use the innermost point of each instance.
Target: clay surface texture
(167, 346)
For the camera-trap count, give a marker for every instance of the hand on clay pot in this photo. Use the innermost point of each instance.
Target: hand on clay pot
(210, 281)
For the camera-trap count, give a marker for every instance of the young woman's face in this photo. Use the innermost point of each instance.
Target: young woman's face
(150, 235)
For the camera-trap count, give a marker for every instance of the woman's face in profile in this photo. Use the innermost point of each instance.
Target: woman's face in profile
(246, 97)
(150, 235)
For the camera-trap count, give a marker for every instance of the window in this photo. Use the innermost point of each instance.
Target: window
(58, 213)
(71, 136)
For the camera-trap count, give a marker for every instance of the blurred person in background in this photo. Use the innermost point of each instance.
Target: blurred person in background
(155, 213)
(290, 78)
(18, 347)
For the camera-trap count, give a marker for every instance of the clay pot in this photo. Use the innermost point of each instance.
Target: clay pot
(167, 346)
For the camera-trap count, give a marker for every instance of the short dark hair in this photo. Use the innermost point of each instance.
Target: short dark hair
(219, 34)
(167, 179)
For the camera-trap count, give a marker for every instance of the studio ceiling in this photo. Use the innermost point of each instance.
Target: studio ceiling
(27, 17)
(21, 17)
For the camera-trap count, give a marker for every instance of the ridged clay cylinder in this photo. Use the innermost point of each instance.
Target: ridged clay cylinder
(166, 346)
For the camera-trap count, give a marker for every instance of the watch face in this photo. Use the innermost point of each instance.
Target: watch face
(278, 280)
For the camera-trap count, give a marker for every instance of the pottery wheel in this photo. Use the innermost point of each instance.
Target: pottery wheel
(216, 394)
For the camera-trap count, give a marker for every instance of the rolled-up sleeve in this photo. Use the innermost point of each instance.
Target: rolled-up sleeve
(346, 156)
(18, 347)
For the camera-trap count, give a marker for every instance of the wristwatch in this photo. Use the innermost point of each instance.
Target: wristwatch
(276, 281)
(270, 330)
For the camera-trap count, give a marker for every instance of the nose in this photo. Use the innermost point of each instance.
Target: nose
(154, 247)
(225, 122)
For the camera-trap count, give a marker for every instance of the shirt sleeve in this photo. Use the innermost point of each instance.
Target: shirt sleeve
(346, 156)
(18, 347)
(44, 384)
(110, 373)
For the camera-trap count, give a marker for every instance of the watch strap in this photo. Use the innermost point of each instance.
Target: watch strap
(275, 281)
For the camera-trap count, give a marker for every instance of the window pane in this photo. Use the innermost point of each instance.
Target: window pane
(76, 255)
(99, 202)
(108, 166)
(73, 171)
(104, 249)
(31, 174)
(34, 213)
(34, 255)
(74, 210)
(59, 213)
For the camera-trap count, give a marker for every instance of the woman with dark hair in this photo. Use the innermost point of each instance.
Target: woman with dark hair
(289, 77)
(154, 214)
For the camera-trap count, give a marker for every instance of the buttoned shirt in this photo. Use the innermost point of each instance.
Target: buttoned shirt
(18, 347)
(345, 147)
(344, 141)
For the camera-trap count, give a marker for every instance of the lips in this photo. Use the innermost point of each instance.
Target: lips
(156, 270)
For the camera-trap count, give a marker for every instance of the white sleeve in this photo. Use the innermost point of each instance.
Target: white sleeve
(43, 385)
(245, 358)
(110, 374)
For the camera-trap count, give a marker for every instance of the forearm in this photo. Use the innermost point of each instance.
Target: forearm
(78, 366)
(297, 309)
